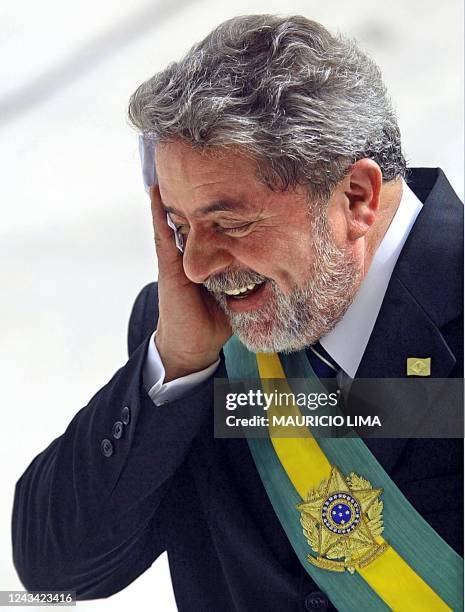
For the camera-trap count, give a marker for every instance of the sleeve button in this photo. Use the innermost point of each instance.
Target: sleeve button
(126, 415)
(107, 447)
(117, 430)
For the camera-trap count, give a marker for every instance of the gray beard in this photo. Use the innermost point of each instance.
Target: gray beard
(290, 322)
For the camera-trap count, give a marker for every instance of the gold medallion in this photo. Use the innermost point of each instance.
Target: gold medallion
(341, 520)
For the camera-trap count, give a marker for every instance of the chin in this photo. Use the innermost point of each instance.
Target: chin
(268, 338)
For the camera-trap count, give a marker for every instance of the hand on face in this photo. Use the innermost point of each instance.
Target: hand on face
(191, 328)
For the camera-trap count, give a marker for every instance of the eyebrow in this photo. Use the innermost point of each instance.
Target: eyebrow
(219, 206)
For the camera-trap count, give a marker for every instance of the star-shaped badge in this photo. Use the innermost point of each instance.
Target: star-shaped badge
(341, 520)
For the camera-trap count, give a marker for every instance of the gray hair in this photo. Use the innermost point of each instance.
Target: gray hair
(303, 103)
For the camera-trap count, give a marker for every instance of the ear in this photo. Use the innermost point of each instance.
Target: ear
(362, 189)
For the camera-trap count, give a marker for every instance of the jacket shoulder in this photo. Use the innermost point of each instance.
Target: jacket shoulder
(144, 316)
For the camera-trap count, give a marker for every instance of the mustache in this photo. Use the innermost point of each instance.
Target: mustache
(231, 280)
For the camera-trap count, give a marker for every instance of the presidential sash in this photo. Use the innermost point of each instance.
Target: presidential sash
(334, 500)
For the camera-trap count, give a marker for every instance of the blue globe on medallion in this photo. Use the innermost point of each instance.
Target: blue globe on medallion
(341, 513)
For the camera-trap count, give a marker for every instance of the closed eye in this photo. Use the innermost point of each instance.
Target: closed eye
(233, 230)
(184, 229)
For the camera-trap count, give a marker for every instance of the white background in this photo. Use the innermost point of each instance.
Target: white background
(76, 236)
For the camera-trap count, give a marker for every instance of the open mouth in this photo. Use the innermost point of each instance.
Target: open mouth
(242, 292)
(246, 298)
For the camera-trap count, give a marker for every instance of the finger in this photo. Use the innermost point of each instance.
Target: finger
(167, 252)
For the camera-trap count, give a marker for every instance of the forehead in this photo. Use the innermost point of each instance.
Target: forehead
(193, 182)
(188, 176)
(178, 161)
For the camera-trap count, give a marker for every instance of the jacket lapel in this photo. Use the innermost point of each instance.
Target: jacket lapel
(425, 290)
(423, 294)
(404, 329)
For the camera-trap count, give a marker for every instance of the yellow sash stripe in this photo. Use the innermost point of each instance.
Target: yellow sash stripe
(389, 575)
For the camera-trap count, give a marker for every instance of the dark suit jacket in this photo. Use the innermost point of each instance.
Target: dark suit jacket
(92, 516)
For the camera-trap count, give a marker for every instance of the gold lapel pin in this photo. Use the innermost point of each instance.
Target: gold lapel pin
(418, 366)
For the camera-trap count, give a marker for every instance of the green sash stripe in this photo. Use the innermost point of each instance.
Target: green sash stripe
(425, 551)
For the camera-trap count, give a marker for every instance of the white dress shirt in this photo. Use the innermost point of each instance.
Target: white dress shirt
(347, 341)
(153, 376)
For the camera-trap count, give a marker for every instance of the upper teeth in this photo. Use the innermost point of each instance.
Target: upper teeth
(240, 289)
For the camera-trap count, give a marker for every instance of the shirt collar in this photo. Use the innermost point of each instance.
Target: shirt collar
(347, 341)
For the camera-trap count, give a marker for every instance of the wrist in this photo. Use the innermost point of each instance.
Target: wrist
(179, 365)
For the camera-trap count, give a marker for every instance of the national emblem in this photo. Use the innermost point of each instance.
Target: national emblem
(341, 519)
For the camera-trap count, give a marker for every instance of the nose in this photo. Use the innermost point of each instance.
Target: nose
(204, 256)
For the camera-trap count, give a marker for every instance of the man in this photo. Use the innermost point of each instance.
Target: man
(279, 163)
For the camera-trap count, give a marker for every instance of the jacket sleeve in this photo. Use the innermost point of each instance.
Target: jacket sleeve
(85, 511)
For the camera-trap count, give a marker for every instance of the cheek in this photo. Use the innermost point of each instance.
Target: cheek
(280, 255)
(251, 253)
(337, 225)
